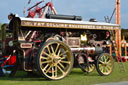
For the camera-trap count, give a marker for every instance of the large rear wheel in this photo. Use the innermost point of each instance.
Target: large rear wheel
(54, 60)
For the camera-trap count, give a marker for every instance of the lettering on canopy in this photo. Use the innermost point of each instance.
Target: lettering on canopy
(67, 25)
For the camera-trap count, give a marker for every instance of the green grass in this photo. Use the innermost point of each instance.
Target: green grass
(76, 77)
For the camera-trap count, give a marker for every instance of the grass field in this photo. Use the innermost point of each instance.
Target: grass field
(76, 77)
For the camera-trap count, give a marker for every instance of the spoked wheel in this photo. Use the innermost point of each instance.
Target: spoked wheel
(105, 64)
(84, 64)
(54, 60)
(90, 68)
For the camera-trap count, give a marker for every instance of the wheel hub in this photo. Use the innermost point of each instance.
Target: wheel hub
(55, 59)
(104, 64)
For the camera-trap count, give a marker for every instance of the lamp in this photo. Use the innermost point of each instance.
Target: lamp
(83, 37)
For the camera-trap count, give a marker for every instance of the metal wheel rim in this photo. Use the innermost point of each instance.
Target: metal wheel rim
(56, 60)
(106, 64)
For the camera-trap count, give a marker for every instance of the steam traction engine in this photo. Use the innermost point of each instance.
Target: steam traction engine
(51, 46)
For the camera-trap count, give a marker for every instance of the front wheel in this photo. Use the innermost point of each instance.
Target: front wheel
(84, 64)
(54, 60)
(105, 64)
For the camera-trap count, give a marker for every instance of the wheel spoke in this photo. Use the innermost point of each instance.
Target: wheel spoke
(102, 58)
(56, 71)
(63, 53)
(48, 50)
(91, 68)
(107, 69)
(49, 68)
(52, 49)
(44, 62)
(53, 71)
(61, 65)
(106, 58)
(103, 69)
(63, 57)
(59, 52)
(101, 62)
(46, 54)
(45, 67)
(67, 62)
(44, 57)
(109, 61)
(60, 69)
(57, 47)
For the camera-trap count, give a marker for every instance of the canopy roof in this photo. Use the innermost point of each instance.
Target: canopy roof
(69, 24)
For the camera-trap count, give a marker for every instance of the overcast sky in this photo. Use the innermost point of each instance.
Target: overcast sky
(85, 8)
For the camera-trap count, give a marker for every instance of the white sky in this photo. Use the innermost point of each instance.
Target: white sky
(85, 8)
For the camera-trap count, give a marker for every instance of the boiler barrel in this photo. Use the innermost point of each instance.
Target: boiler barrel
(65, 17)
(96, 50)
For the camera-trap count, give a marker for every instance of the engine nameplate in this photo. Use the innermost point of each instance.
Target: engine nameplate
(73, 41)
(26, 45)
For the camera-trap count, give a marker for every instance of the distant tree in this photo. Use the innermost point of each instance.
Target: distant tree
(0, 26)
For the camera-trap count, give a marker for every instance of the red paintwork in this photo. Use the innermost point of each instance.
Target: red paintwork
(12, 60)
(122, 58)
(38, 10)
(31, 14)
(50, 5)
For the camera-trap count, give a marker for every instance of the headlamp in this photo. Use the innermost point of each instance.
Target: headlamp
(10, 43)
(83, 38)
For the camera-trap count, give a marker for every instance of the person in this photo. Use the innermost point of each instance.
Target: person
(14, 26)
(11, 16)
(108, 35)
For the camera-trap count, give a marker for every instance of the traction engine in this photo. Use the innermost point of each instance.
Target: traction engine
(51, 45)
